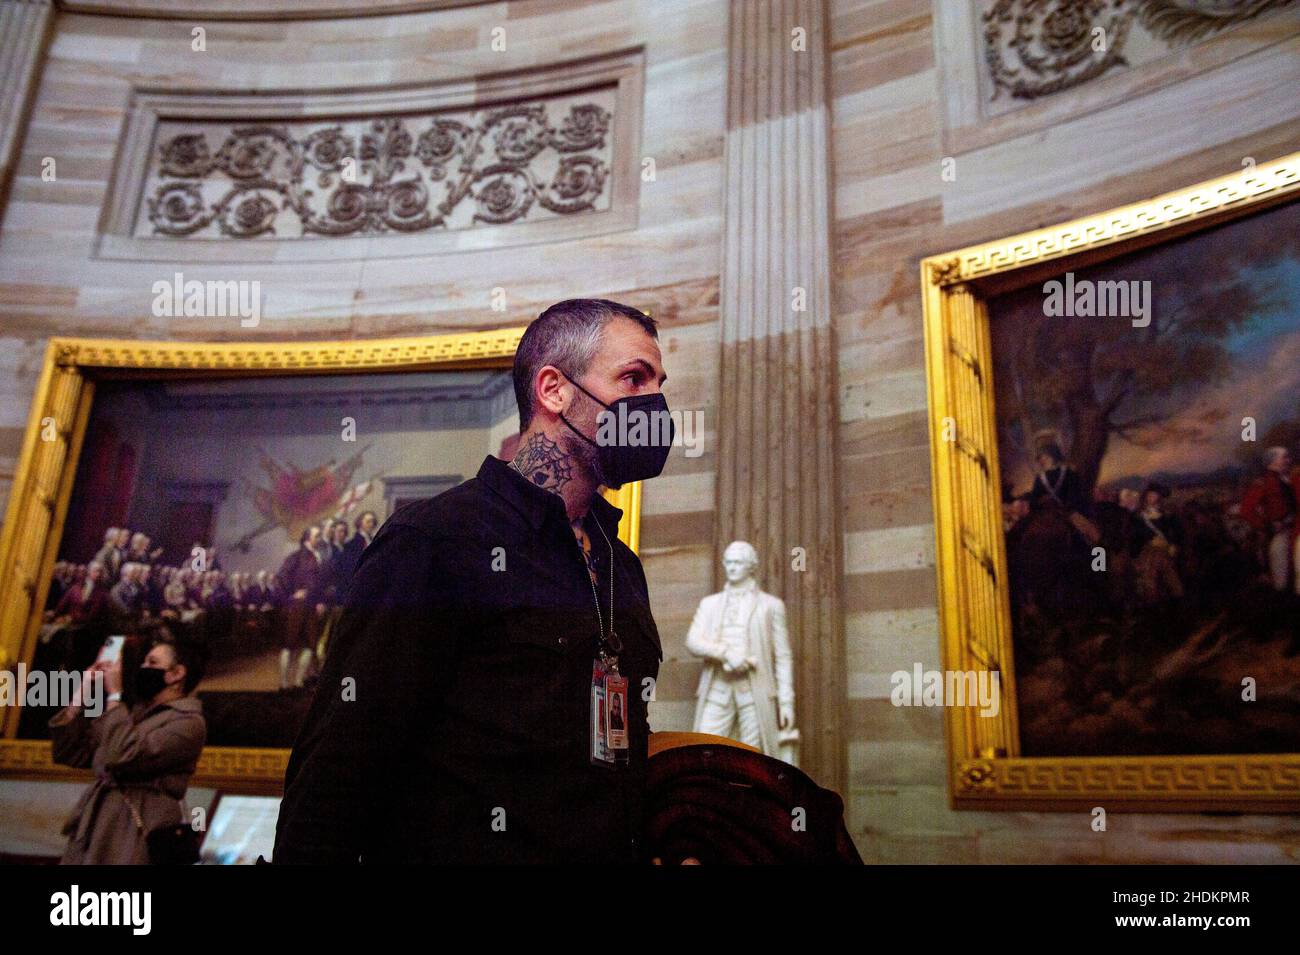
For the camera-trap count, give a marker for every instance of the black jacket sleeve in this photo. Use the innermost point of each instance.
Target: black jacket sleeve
(390, 661)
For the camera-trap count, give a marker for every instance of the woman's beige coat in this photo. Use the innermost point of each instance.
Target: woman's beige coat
(147, 755)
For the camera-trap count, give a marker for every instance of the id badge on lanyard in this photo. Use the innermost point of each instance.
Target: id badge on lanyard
(609, 715)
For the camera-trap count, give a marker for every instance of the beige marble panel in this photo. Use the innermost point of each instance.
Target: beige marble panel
(1244, 97)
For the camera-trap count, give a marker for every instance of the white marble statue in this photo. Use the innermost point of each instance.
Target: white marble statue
(746, 691)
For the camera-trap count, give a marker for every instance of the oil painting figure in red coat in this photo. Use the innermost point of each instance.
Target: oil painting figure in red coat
(1270, 508)
(77, 620)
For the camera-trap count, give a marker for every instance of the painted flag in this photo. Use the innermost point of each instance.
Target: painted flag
(350, 501)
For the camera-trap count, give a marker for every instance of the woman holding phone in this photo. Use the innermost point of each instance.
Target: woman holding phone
(143, 748)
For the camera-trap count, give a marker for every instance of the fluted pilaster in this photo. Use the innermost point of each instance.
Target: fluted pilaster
(777, 482)
(24, 32)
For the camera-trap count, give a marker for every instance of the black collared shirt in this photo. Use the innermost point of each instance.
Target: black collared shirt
(452, 721)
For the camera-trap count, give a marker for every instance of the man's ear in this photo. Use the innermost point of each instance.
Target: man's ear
(551, 389)
(184, 673)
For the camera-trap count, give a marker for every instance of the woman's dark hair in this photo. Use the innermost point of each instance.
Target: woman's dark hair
(193, 654)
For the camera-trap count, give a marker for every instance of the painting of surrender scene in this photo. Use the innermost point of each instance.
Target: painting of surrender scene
(1150, 459)
(235, 511)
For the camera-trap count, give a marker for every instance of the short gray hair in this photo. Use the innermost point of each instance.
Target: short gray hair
(566, 335)
(1273, 455)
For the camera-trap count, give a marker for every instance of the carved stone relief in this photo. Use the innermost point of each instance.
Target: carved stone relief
(1033, 48)
(440, 170)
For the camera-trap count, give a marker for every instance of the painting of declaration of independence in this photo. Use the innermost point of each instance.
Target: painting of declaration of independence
(1151, 468)
(235, 511)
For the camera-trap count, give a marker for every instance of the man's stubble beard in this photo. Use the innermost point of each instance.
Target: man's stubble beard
(586, 456)
(582, 455)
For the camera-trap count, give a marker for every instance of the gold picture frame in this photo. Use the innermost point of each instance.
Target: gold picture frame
(43, 485)
(986, 768)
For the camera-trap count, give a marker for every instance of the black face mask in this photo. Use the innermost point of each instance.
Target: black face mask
(149, 682)
(623, 463)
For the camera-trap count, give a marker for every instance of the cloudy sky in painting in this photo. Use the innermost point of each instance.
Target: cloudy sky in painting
(1264, 382)
(1201, 424)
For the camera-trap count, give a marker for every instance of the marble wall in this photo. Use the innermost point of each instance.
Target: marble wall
(902, 96)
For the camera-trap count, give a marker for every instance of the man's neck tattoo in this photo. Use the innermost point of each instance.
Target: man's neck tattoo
(544, 463)
(584, 541)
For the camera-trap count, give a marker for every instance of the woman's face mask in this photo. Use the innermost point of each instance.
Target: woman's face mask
(636, 453)
(150, 681)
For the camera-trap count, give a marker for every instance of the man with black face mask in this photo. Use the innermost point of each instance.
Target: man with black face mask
(464, 712)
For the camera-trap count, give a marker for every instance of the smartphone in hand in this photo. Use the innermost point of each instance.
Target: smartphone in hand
(111, 651)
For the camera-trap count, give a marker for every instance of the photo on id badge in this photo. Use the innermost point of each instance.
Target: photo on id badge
(616, 727)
